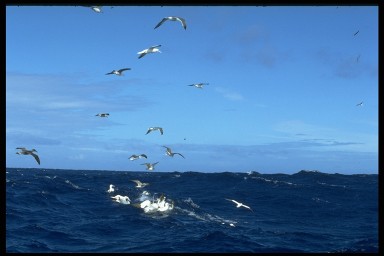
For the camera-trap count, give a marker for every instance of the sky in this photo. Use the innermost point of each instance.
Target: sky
(283, 87)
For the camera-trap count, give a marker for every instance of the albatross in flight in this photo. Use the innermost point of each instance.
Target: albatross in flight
(103, 114)
(173, 18)
(151, 49)
(360, 104)
(199, 85)
(239, 204)
(150, 129)
(170, 153)
(135, 157)
(25, 151)
(118, 72)
(150, 167)
(140, 184)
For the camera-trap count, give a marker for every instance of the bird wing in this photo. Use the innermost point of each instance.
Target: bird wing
(161, 131)
(149, 130)
(153, 47)
(110, 73)
(155, 163)
(179, 154)
(183, 23)
(23, 149)
(161, 22)
(137, 182)
(36, 157)
(142, 55)
(123, 69)
(143, 155)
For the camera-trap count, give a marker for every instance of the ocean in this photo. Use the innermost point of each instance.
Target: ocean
(51, 210)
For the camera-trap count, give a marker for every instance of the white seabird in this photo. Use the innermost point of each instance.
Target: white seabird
(199, 85)
(239, 204)
(360, 104)
(118, 72)
(150, 167)
(152, 49)
(103, 114)
(170, 153)
(122, 199)
(25, 151)
(173, 18)
(150, 129)
(135, 157)
(111, 188)
(140, 184)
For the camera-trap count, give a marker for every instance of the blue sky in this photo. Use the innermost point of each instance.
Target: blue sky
(283, 87)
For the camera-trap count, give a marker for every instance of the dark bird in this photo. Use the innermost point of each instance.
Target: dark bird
(359, 104)
(135, 157)
(152, 49)
(102, 115)
(199, 85)
(150, 129)
(170, 153)
(356, 32)
(118, 72)
(150, 166)
(358, 58)
(25, 151)
(173, 18)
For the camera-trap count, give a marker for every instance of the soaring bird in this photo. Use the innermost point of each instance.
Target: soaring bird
(118, 72)
(25, 151)
(140, 184)
(102, 115)
(173, 18)
(239, 204)
(150, 129)
(170, 153)
(135, 157)
(150, 167)
(199, 85)
(356, 32)
(152, 49)
(359, 104)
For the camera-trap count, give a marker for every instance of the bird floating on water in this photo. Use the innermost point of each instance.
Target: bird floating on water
(152, 49)
(140, 184)
(122, 199)
(199, 85)
(103, 114)
(150, 129)
(25, 151)
(170, 153)
(359, 104)
(118, 72)
(173, 18)
(135, 157)
(111, 188)
(239, 204)
(150, 167)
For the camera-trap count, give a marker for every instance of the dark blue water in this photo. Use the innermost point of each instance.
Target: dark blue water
(70, 211)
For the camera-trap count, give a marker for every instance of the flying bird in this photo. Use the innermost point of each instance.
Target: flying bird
(135, 157)
(24, 151)
(360, 104)
(358, 58)
(199, 85)
(239, 204)
(94, 8)
(152, 49)
(356, 32)
(150, 167)
(173, 18)
(103, 114)
(150, 129)
(118, 72)
(170, 153)
(140, 184)
(111, 188)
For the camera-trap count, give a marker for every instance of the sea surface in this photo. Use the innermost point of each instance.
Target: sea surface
(49, 210)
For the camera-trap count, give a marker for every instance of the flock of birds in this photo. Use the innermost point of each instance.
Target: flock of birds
(147, 205)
